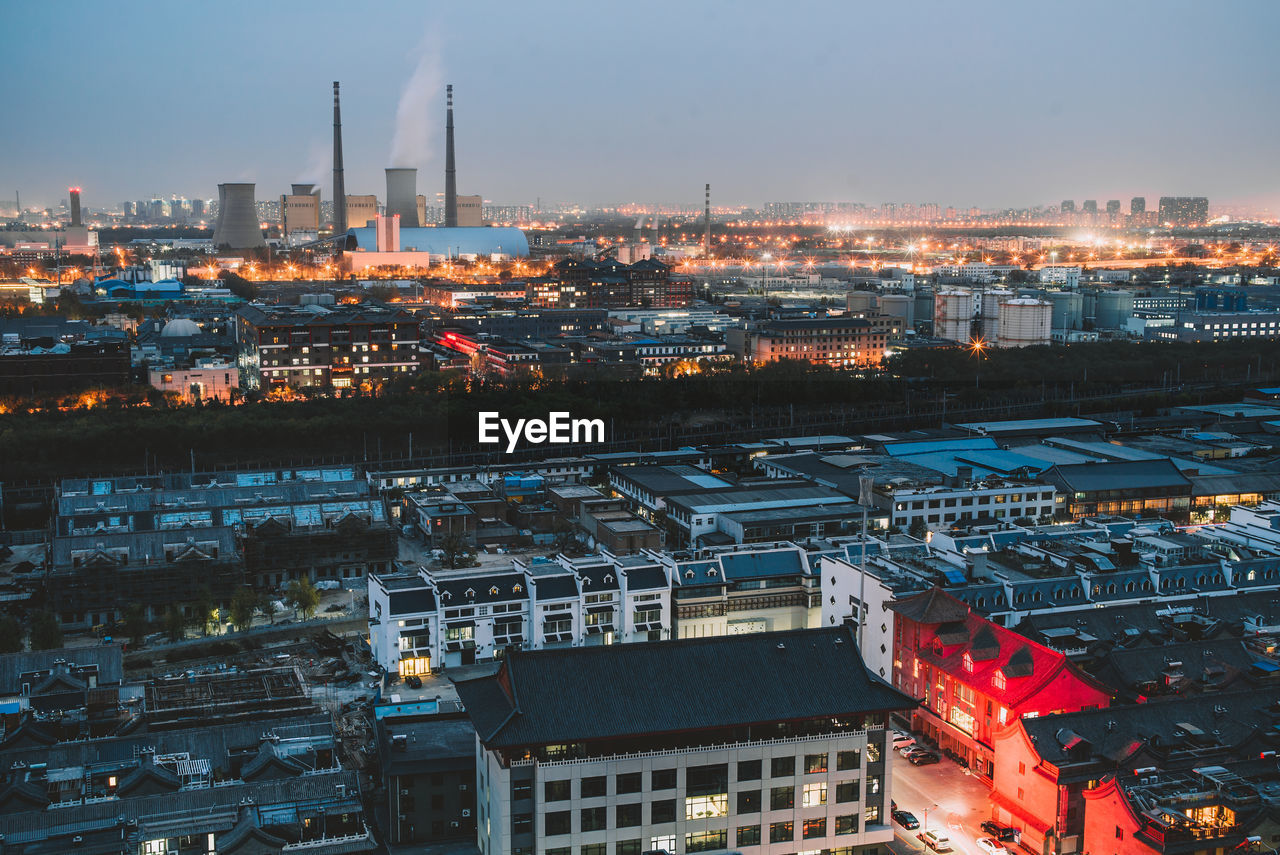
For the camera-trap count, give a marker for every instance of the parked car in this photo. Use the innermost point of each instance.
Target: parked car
(935, 840)
(991, 846)
(906, 819)
(907, 750)
(999, 832)
(923, 758)
(413, 681)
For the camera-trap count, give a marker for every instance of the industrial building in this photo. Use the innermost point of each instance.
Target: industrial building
(300, 214)
(237, 226)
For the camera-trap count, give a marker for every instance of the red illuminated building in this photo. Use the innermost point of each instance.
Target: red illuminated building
(975, 678)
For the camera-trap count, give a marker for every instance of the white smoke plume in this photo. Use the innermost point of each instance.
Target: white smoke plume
(318, 169)
(421, 107)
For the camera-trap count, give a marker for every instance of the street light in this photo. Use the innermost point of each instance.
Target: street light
(926, 817)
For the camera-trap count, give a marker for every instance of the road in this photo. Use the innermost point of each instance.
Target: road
(962, 804)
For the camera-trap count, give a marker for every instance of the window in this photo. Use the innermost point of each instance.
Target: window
(703, 807)
(873, 752)
(847, 791)
(815, 763)
(781, 832)
(559, 850)
(666, 842)
(705, 841)
(631, 782)
(846, 760)
(998, 679)
(662, 811)
(814, 827)
(627, 816)
(748, 835)
(662, 779)
(707, 780)
(556, 822)
(873, 784)
(871, 814)
(748, 770)
(594, 819)
(595, 787)
(556, 791)
(749, 801)
(781, 798)
(847, 824)
(627, 847)
(814, 794)
(782, 767)
(594, 849)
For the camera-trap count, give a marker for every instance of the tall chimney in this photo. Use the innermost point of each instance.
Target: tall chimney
(706, 237)
(402, 195)
(75, 205)
(339, 185)
(450, 177)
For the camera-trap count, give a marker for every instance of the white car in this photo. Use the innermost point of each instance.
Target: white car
(902, 740)
(991, 846)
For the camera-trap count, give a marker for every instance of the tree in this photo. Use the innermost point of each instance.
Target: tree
(267, 605)
(175, 624)
(135, 623)
(304, 597)
(455, 551)
(202, 611)
(917, 529)
(243, 602)
(10, 635)
(45, 632)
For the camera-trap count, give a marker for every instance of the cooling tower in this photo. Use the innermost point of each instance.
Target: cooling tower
(402, 196)
(237, 225)
(302, 189)
(75, 205)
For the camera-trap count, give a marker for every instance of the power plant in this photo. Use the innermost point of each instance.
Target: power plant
(450, 173)
(237, 226)
(402, 196)
(339, 185)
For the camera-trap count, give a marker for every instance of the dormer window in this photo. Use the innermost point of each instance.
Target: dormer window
(516, 588)
(470, 593)
(493, 592)
(688, 574)
(608, 577)
(998, 680)
(968, 662)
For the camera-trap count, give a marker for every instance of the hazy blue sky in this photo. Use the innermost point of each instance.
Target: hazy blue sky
(986, 103)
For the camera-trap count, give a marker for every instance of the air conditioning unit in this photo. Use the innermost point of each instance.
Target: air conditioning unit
(462, 787)
(404, 792)
(455, 824)
(466, 811)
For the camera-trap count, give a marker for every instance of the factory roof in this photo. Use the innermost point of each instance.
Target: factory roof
(1126, 475)
(452, 241)
(1033, 427)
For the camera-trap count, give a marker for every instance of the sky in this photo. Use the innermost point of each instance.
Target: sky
(991, 104)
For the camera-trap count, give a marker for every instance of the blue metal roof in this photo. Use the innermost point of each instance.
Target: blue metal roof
(927, 446)
(1002, 461)
(452, 242)
(753, 565)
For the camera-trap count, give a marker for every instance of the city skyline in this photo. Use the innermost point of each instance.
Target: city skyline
(976, 111)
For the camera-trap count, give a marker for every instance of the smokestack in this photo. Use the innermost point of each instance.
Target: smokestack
(450, 177)
(706, 237)
(339, 185)
(402, 195)
(237, 225)
(75, 205)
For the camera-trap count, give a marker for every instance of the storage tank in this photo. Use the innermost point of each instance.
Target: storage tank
(899, 306)
(1114, 308)
(1068, 310)
(861, 302)
(953, 315)
(989, 314)
(1024, 322)
(924, 304)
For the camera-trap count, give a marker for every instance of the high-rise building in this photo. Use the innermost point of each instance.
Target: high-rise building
(1137, 205)
(1090, 206)
(1113, 206)
(1068, 206)
(1184, 210)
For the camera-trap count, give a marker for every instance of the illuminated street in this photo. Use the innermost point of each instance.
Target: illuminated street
(962, 804)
